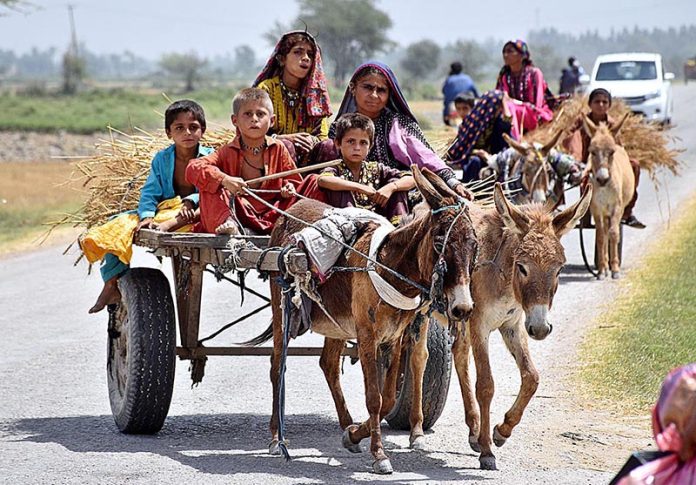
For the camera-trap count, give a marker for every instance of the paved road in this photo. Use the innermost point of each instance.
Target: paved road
(56, 427)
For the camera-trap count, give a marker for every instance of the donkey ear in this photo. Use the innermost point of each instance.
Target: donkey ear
(515, 220)
(521, 149)
(589, 126)
(615, 129)
(551, 143)
(430, 194)
(566, 220)
(439, 184)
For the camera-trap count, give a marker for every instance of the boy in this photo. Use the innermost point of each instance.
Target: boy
(358, 183)
(464, 103)
(250, 155)
(160, 206)
(577, 143)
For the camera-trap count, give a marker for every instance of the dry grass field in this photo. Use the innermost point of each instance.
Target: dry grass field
(32, 194)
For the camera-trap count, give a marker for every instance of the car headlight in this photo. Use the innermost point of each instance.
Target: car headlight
(653, 94)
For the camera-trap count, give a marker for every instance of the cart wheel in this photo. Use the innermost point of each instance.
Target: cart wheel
(141, 352)
(436, 381)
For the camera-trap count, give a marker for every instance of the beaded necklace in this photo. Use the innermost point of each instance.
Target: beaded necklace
(291, 97)
(253, 150)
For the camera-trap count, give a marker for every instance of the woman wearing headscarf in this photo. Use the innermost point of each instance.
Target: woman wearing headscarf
(399, 142)
(294, 79)
(480, 134)
(674, 429)
(525, 85)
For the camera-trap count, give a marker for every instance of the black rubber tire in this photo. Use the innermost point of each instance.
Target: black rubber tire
(436, 381)
(141, 352)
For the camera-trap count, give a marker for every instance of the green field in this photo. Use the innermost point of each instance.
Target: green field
(651, 328)
(93, 111)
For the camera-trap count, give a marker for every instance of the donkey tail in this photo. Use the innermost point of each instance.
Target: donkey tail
(265, 336)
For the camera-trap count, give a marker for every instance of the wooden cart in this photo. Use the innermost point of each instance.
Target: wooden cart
(142, 343)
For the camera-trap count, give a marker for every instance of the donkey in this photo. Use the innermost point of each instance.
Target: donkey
(536, 173)
(513, 285)
(613, 183)
(443, 233)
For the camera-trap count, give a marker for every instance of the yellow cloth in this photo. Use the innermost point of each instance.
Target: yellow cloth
(286, 117)
(116, 235)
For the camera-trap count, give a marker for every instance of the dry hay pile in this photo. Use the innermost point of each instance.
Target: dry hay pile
(645, 142)
(118, 170)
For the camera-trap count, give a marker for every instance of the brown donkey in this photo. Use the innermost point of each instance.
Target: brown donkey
(536, 173)
(614, 184)
(443, 233)
(513, 285)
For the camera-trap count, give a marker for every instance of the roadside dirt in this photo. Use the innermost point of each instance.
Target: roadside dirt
(20, 146)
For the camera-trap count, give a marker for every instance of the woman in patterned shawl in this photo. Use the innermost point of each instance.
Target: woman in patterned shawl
(525, 85)
(399, 142)
(294, 79)
(481, 134)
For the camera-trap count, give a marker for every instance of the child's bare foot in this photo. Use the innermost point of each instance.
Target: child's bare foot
(108, 296)
(229, 227)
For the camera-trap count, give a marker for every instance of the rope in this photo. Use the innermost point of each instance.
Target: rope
(584, 255)
(346, 246)
(287, 289)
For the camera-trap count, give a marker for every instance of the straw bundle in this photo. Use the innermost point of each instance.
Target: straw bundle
(645, 142)
(118, 170)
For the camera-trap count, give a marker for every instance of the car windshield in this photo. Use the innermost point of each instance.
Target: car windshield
(627, 71)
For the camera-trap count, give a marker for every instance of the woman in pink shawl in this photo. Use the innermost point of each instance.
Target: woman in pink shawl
(674, 428)
(526, 88)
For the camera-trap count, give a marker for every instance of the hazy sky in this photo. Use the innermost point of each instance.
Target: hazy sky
(151, 27)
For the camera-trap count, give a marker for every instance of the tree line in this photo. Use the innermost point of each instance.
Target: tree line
(352, 31)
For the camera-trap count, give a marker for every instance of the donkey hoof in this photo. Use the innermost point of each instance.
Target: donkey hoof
(274, 448)
(473, 442)
(600, 276)
(487, 462)
(418, 443)
(615, 275)
(498, 438)
(383, 467)
(348, 444)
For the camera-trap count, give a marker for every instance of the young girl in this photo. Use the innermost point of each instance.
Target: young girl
(294, 79)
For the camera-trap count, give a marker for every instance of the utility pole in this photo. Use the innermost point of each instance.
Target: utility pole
(73, 33)
(73, 65)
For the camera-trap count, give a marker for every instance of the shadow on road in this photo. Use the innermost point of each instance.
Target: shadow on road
(575, 273)
(236, 444)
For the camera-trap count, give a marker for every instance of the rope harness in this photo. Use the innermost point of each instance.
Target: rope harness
(294, 285)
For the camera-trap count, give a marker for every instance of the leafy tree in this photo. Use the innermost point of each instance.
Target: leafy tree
(185, 66)
(244, 61)
(472, 55)
(16, 5)
(421, 58)
(349, 31)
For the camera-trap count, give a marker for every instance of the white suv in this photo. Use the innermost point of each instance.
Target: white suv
(639, 80)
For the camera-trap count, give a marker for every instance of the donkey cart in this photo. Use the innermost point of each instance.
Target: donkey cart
(142, 344)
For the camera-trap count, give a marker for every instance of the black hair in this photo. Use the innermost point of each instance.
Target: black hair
(455, 68)
(184, 106)
(466, 97)
(352, 121)
(571, 61)
(598, 92)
